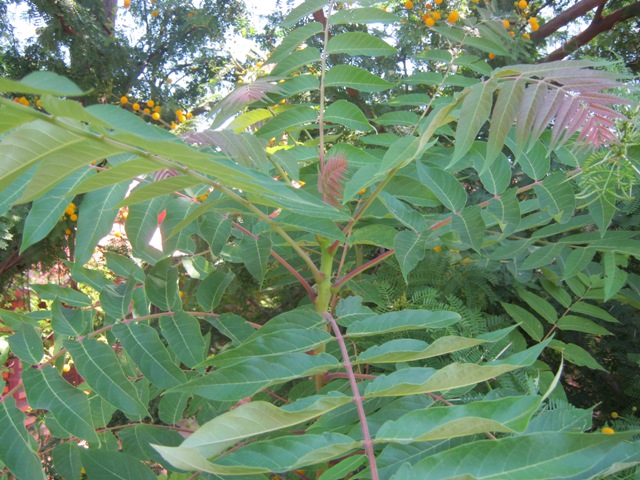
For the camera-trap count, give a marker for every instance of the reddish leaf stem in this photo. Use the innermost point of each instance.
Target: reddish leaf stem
(357, 398)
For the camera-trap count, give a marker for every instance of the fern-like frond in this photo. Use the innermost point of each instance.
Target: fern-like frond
(331, 181)
(568, 95)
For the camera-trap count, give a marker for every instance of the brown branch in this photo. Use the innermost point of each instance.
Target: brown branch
(566, 17)
(599, 25)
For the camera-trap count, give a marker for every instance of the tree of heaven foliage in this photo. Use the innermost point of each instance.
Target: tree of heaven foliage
(517, 169)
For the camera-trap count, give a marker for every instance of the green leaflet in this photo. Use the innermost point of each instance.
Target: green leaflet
(470, 227)
(99, 366)
(115, 300)
(68, 295)
(41, 83)
(162, 285)
(399, 321)
(215, 230)
(555, 193)
(359, 43)
(26, 344)
(182, 331)
(290, 118)
(211, 289)
(444, 186)
(299, 35)
(171, 407)
(107, 465)
(67, 461)
(290, 64)
(406, 350)
(137, 440)
(347, 114)
(474, 112)
(252, 375)
(575, 354)
(409, 248)
(70, 321)
(506, 415)
(46, 389)
(272, 344)
(256, 418)
(552, 453)
(143, 344)
(95, 219)
(124, 266)
(46, 211)
(362, 15)
(415, 380)
(255, 254)
(277, 455)
(15, 447)
(356, 78)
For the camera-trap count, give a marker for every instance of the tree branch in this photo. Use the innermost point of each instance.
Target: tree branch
(566, 17)
(598, 25)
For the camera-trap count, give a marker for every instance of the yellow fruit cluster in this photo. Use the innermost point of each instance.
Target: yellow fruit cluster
(151, 108)
(71, 213)
(431, 14)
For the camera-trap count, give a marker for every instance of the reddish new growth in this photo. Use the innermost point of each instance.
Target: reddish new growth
(331, 181)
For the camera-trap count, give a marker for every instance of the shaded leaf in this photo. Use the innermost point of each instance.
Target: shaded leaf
(144, 346)
(182, 331)
(100, 368)
(400, 321)
(15, 448)
(47, 389)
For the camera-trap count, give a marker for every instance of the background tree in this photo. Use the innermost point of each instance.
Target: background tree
(153, 50)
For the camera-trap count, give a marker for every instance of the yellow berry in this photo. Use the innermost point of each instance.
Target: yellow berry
(157, 108)
(181, 293)
(179, 112)
(117, 234)
(438, 249)
(453, 17)
(614, 415)
(169, 80)
(437, 2)
(436, 15)
(135, 107)
(67, 231)
(535, 27)
(362, 191)
(492, 56)
(189, 115)
(124, 99)
(150, 103)
(174, 125)
(259, 64)
(124, 214)
(506, 23)
(429, 22)
(73, 217)
(182, 118)
(522, 4)
(408, 4)
(24, 101)
(155, 13)
(608, 431)
(526, 35)
(155, 116)
(66, 368)
(512, 33)
(147, 111)
(533, 21)
(127, 3)
(38, 103)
